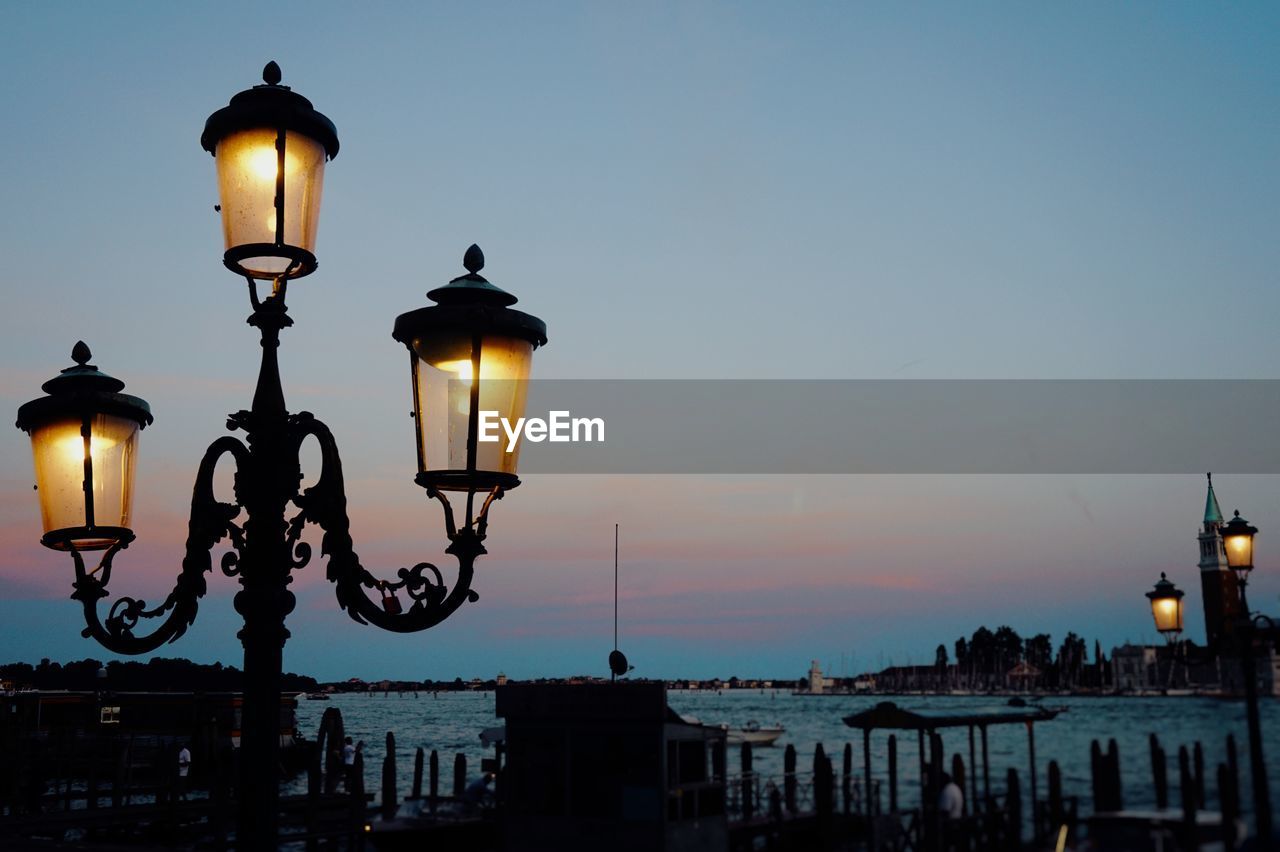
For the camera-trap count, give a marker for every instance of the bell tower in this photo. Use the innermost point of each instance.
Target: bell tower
(1217, 582)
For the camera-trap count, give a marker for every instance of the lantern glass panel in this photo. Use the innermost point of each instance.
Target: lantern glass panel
(1168, 614)
(1239, 550)
(445, 376)
(247, 168)
(59, 452)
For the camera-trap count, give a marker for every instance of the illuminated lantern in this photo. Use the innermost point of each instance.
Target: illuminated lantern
(1237, 541)
(84, 438)
(270, 146)
(469, 353)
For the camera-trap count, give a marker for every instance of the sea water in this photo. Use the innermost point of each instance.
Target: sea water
(450, 722)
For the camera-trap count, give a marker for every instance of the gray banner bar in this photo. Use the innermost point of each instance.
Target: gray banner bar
(808, 427)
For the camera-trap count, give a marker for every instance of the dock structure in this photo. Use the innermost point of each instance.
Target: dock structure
(611, 766)
(993, 819)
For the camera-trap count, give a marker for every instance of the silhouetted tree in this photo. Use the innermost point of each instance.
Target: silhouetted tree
(982, 652)
(1071, 660)
(1039, 651)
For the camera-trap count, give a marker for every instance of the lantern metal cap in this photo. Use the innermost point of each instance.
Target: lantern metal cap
(82, 388)
(1165, 589)
(1238, 526)
(469, 302)
(270, 105)
(472, 288)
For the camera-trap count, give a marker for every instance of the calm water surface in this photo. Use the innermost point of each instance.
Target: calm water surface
(451, 723)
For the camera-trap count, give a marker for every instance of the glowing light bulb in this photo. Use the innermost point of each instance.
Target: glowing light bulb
(461, 368)
(263, 163)
(72, 447)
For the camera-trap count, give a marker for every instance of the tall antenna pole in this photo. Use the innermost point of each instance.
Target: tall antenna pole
(615, 587)
(617, 660)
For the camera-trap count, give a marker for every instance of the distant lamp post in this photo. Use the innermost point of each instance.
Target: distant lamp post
(470, 352)
(1166, 608)
(1237, 541)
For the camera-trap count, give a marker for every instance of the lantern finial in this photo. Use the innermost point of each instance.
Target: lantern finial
(271, 74)
(473, 260)
(80, 353)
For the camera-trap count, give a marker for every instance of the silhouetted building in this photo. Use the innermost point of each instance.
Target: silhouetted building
(1217, 583)
(608, 766)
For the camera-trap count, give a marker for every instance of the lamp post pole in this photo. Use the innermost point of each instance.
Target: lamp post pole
(1257, 763)
(264, 599)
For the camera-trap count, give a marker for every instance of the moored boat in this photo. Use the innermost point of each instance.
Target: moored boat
(755, 733)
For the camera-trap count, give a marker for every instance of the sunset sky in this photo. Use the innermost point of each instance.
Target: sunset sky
(681, 190)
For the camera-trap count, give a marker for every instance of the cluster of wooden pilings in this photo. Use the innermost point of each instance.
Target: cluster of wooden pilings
(389, 802)
(1185, 824)
(992, 819)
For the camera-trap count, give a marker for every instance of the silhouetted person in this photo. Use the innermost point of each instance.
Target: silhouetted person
(950, 798)
(348, 763)
(478, 791)
(184, 767)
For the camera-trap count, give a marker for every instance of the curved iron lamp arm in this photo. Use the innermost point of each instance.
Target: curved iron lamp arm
(325, 504)
(210, 521)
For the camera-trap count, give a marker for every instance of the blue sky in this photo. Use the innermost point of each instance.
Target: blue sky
(692, 190)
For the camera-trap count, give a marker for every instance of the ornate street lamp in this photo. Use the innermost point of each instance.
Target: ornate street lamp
(1166, 608)
(470, 352)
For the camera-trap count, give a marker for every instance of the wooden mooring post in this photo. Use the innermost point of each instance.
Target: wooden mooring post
(823, 783)
(1190, 839)
(1013, 798)
(789, 778)
(355, 793)
(846, 778)
(893, 774)
(435, 779)
(1197, 764)
(1229, 804)
(930, 790)
(390, 801)
(1057, 815)
(459, 775)
(1105, 771)
(958, 775)
(417, 773)
(866, 772)
(1159, 773)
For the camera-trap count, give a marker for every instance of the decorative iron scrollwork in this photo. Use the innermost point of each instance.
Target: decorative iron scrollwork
(325, 504)
(209, 523)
